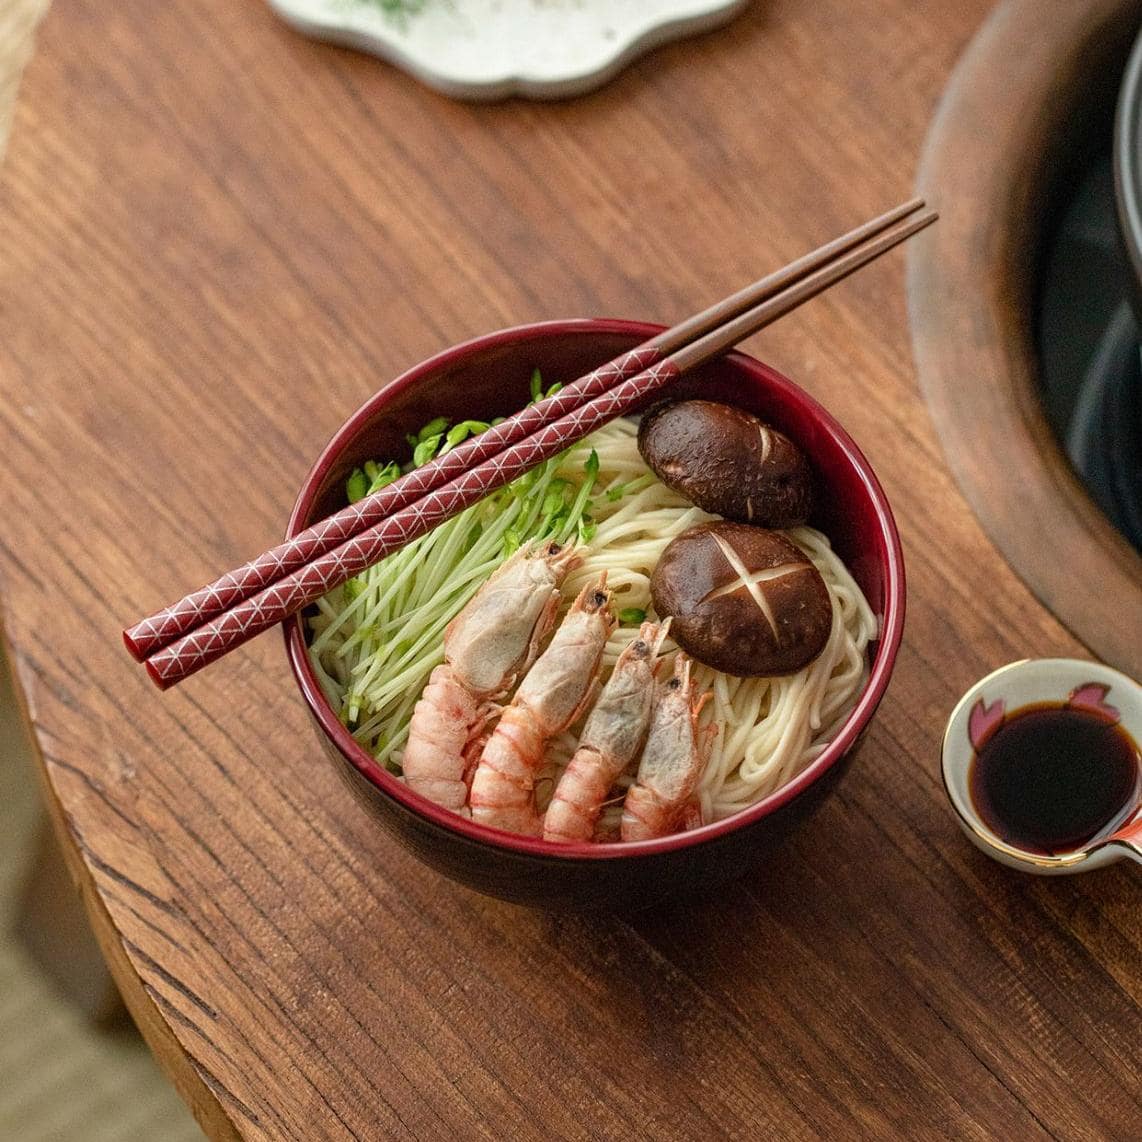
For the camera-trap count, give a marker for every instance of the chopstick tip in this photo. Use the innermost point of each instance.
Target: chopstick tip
(156, 675)
(133, 648)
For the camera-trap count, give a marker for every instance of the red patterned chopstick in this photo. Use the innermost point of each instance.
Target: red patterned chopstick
(153, 633)
(164, 627)
(291, 593)
(206, 643)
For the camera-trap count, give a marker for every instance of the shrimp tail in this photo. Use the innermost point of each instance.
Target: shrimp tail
(443, 722)
(503, 785)
(644, 815)
(578, 801)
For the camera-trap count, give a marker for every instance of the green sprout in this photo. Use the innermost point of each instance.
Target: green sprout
(378, 636)
(396, 10)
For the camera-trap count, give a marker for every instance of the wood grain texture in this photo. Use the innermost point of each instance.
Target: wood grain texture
(218, 239)
(1008, 136)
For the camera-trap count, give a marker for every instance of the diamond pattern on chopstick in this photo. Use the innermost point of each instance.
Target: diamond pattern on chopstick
(196, 630)
(151, 634)
(203, 644)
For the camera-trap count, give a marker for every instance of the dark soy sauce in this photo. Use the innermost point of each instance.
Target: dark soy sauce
(1052, 778)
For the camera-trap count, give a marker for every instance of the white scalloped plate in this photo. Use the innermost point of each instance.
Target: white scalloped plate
(490, 49)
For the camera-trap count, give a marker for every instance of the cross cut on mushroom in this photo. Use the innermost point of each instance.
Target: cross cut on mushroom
(742, 599)
(751, 581)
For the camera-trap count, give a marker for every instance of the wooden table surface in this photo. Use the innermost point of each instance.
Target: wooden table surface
(218, 239)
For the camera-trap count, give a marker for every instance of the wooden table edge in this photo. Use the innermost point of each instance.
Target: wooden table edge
(204, 1104)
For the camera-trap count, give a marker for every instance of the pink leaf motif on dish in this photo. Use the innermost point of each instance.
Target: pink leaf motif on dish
(1090, 696)
(984, 721)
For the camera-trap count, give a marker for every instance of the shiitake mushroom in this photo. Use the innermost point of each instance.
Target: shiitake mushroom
(727, 462)
(742, 599)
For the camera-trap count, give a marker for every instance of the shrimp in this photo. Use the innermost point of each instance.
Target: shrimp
(672, 760)
(555, 691)
(611, 740)
(486, 647)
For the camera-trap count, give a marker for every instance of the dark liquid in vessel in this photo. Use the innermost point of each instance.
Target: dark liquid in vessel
(1051, 778)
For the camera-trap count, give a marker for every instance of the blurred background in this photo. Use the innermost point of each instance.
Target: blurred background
(64, 1075)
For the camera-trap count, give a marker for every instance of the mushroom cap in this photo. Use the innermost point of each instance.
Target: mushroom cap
(728, 462)
(742, 599)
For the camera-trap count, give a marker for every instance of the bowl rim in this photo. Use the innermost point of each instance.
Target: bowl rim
(891, 624)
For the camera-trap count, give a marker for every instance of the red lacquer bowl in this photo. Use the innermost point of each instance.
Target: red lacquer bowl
(488, 377)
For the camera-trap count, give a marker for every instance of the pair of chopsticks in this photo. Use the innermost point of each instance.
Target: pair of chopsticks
(180, 639)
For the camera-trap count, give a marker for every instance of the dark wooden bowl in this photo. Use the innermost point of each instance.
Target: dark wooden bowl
(488, 377)
(1018, 119)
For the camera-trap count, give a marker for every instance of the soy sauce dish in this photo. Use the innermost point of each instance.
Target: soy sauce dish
(493, 376)
(1041, 763)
